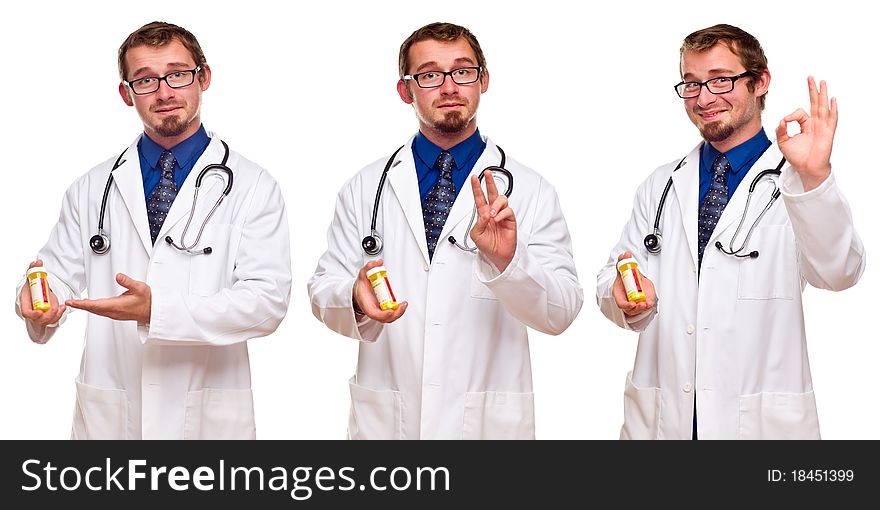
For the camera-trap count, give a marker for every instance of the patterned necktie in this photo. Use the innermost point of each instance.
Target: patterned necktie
(162, 196)
(713, 204)
(439, 201)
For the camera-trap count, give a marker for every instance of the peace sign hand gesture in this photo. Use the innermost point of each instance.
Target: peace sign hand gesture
(809, 151)
(494, 234)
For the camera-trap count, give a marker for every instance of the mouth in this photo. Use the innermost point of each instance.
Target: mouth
(166, 110)
(711, 116)
(450, 105)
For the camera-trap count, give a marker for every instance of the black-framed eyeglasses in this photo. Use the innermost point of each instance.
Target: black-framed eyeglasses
(433, 79)
(719, 85)
(175, 80)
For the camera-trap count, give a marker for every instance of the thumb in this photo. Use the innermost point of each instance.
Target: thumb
(126, 281)
(624, 255)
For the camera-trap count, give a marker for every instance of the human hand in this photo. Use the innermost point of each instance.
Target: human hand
(132, 305)
(39, 319)
(809, 151)
(494, 233)
(364, 298)
(631, 308)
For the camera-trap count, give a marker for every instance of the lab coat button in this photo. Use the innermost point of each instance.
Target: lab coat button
(686, 388)
(691, 329)
(426, 267)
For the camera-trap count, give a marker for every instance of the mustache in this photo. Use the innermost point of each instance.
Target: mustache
(451, 100)
(165, 105)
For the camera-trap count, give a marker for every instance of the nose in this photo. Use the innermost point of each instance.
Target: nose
(705, 98)
(449, 86)
(165, 92)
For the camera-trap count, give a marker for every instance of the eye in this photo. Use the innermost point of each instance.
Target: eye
(429, 76)
(177, 75)
(720, 81)
(145, 81)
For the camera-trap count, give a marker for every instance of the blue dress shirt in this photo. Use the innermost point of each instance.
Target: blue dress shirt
(425, 154)
(186, 153)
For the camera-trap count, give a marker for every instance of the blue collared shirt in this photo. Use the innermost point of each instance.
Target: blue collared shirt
(741, 159)
(425, 155)
(186, 153)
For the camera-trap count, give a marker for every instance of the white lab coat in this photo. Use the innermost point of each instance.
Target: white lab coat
(736, 340)
(186, 374)
(456, 364)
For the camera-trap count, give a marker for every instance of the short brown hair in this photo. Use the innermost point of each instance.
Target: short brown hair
(159, 33)
(739, 42)
(446, 32)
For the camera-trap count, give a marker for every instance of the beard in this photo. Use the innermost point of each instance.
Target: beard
(717, 131)
(173, 126)
(452, 122)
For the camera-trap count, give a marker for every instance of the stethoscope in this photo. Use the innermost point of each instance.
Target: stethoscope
(372, 244)
(100, 242)
(654, 240)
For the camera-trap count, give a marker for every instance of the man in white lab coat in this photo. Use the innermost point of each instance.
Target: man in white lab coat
(170, 309)
(722, 352)
(452, 361)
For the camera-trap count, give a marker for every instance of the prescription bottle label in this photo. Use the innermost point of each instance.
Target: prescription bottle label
(632, 280)
(39, 284)
(378, 277)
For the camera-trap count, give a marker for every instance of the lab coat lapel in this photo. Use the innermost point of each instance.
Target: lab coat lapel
(735, 208)
(183, 203)
(130, 184)
(686, 181)
(405, 187)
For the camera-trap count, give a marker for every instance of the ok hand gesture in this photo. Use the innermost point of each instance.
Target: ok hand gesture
(809, 151)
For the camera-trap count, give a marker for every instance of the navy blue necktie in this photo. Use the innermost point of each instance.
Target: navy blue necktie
(162, 196)
(439, 201)
(713, 204)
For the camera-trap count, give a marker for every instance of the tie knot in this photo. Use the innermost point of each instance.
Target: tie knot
(721, 165)
(444, 163)
(166, 162)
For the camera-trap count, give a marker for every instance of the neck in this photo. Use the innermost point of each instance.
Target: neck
(738, 138)
(167, 142)
(448, 140)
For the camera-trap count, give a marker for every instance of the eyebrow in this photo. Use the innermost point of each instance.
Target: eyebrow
(173, 65)
(461, 60)
(712, 73)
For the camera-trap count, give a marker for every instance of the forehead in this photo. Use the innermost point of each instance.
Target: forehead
(158, 58)
(715, 60)
(440, 52)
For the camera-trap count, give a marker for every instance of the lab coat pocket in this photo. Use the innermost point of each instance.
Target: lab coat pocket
(778, 416)
(641, 412)
(498, 415)
(772, 275)
(213, 413)
(479, 289)
(100, 413)
(209, 273)
(375, 414)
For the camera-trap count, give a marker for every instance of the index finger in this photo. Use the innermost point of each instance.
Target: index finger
(98, 306)
(489, 177)
(479, 197)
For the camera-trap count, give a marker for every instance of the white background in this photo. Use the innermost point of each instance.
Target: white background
(582, 94)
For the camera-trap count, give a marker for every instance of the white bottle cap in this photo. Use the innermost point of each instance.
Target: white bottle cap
(375, 270)
(38, 269)
(625, 262)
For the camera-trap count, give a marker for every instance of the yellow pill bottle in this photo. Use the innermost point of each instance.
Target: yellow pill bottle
(38, 280)
(632, 279)
(378, 277)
